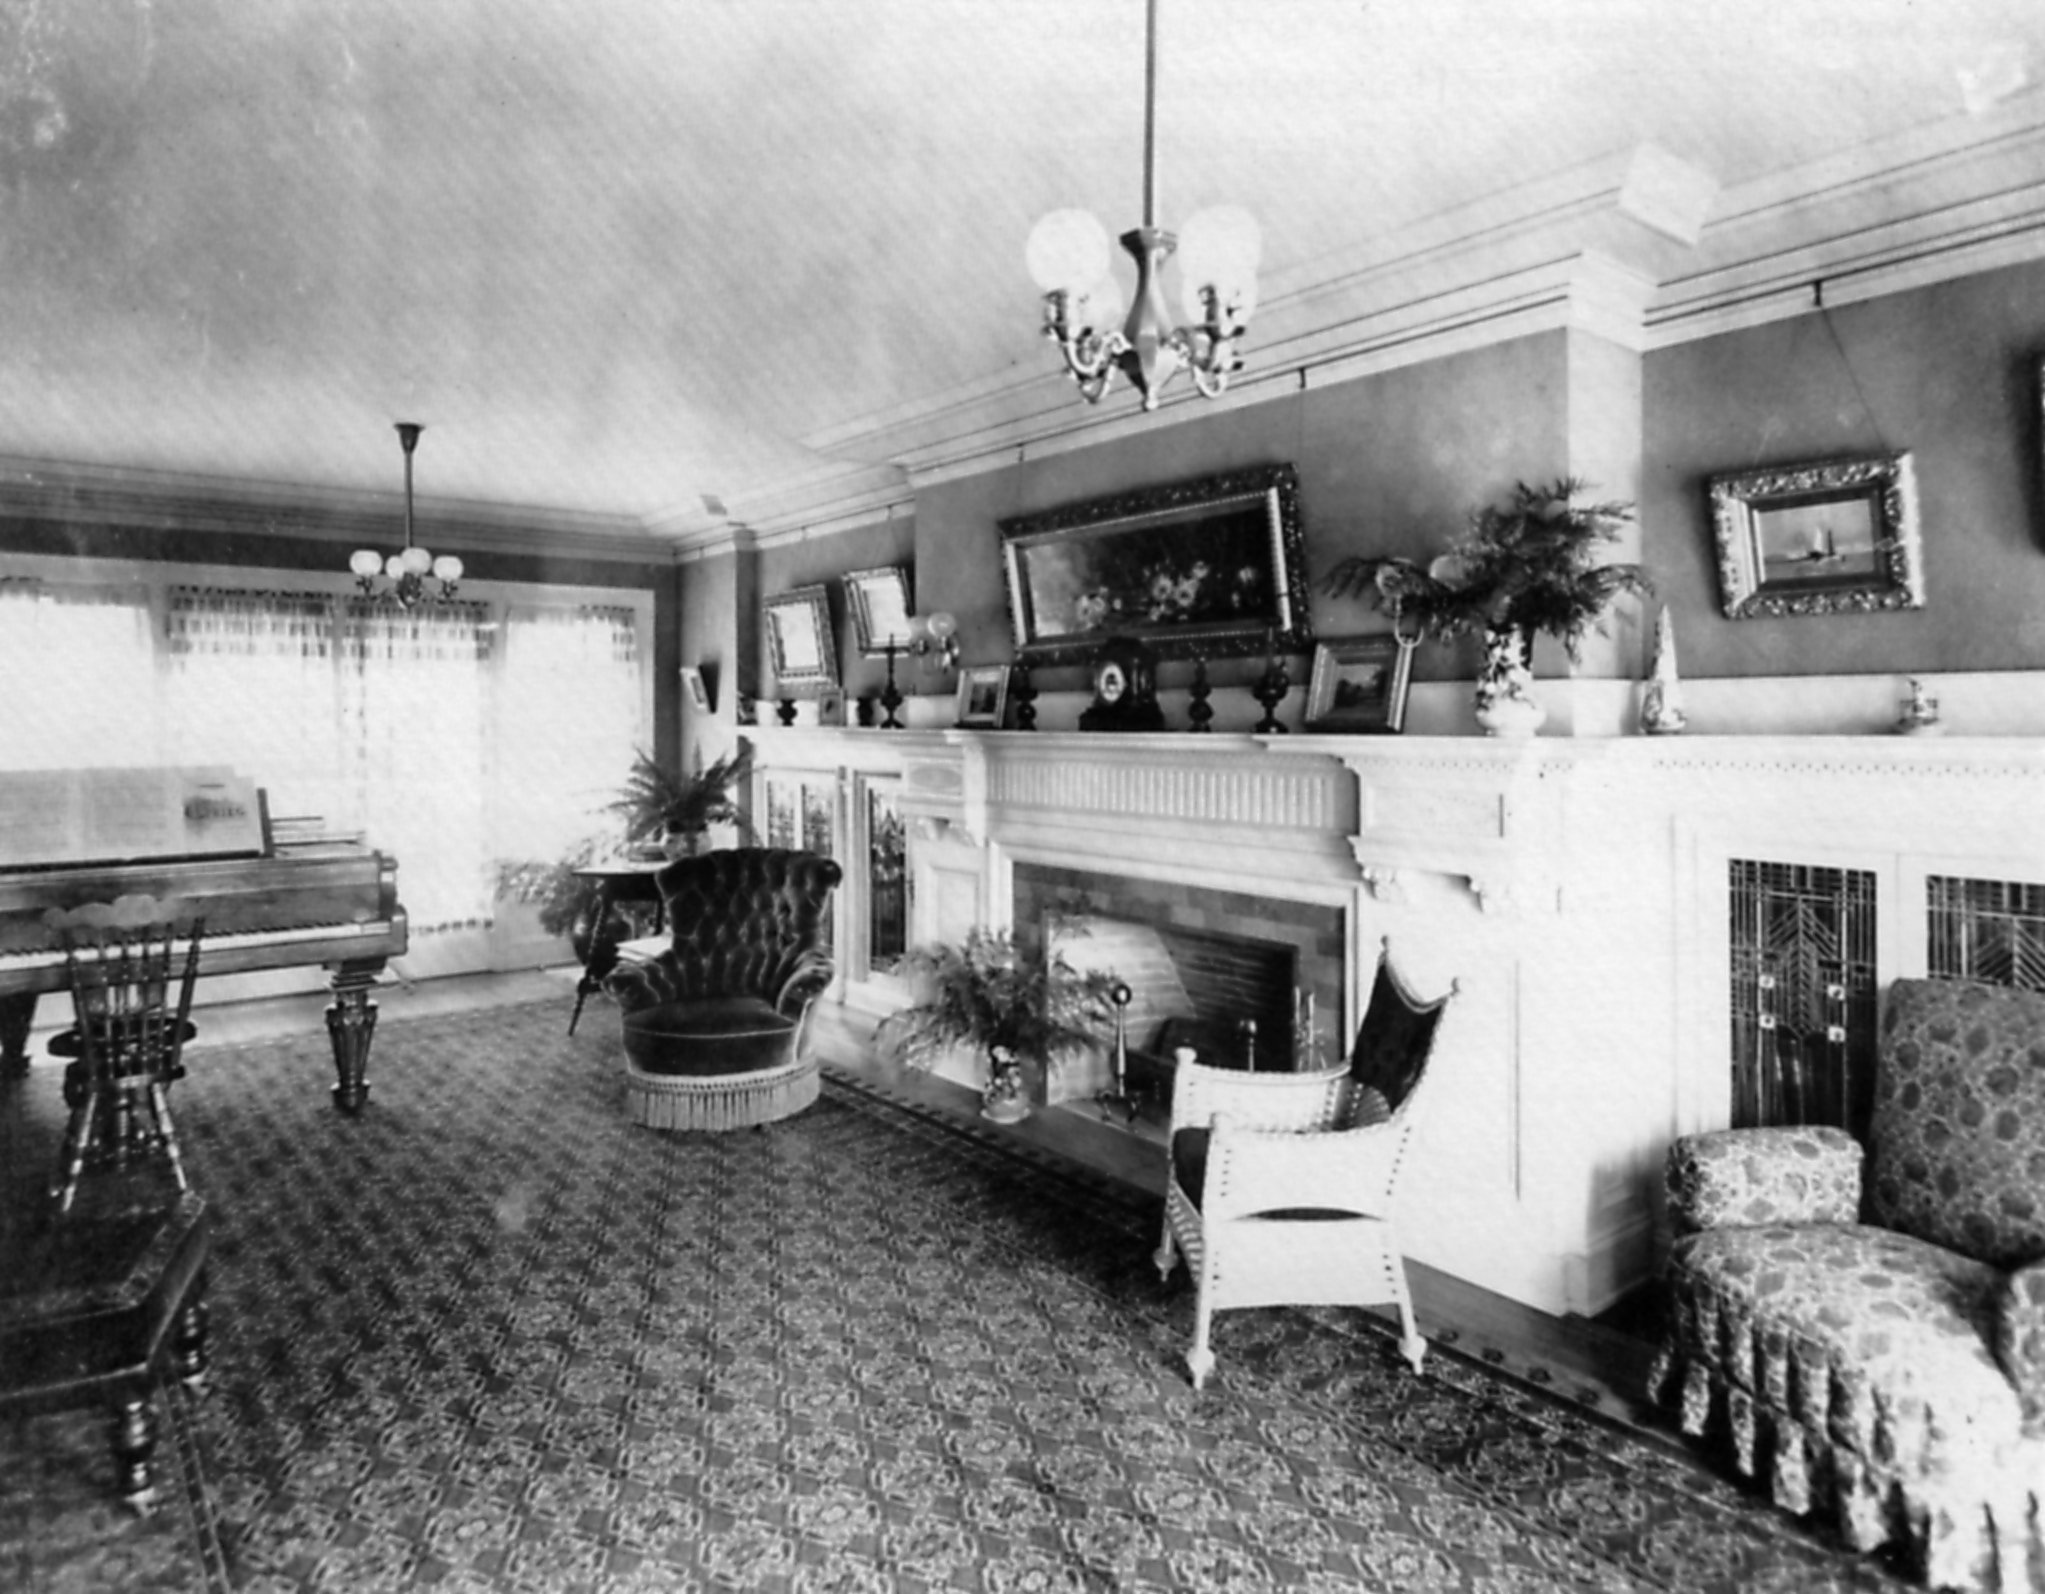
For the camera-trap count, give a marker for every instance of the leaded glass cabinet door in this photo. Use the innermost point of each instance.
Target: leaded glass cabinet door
(1804, 994)
(887, 906)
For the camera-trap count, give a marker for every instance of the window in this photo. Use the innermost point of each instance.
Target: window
(441, 735)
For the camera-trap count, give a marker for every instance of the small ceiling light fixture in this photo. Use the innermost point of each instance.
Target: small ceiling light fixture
(1218, 252)
(408, 569)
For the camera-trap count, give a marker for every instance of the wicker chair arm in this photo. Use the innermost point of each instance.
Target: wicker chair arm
(1254, 1170)
(2019, 1339)
(1265, 1101)
(1732, 1178)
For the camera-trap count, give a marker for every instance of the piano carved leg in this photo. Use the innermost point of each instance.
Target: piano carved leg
(351, 1022)
(17, 1017)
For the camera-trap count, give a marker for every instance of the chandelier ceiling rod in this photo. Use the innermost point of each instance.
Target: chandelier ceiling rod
(403, 576)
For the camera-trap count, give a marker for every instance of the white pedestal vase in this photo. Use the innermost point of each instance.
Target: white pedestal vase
(1505, 700)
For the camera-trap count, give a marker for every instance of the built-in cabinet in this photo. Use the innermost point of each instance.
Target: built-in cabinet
(1617, 913)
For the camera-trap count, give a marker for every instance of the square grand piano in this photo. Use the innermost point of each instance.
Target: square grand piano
(74, 836)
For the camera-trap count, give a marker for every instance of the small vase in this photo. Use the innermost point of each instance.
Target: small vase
(1006, 1099)
(1505, 700)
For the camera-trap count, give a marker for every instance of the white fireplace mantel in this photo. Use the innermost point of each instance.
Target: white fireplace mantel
(1575, 887)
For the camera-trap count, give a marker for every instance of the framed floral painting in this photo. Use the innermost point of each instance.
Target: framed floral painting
(1210, 566)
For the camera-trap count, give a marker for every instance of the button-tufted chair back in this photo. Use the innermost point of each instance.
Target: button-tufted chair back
(741, 920)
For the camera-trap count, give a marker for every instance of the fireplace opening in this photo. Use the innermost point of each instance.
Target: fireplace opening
(1229, 997)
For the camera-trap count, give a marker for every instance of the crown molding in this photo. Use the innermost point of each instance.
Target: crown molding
(1639, 249)
(66, 491)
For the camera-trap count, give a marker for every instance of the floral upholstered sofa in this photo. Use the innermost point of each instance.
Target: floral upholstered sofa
(1873, 1333)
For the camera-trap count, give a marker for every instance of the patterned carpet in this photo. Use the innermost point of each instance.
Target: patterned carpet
(488, 1336)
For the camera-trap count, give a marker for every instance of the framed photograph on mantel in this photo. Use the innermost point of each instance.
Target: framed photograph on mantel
(1835, 537)
(1359, 687)
(1213, 565)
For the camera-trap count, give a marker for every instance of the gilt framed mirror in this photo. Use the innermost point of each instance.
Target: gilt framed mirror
(799, 634)
(880, 606)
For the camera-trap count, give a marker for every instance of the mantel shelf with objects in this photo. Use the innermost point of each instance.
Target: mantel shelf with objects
(1579, 887)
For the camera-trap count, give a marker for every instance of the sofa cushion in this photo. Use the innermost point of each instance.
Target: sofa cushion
(729, 1035)
(1804, 1174)
(1957, 1143)
(1855, 1329)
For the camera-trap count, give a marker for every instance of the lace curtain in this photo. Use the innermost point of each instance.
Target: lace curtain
(379, 722)
(569, 717)
(79, 673)
(413, 700)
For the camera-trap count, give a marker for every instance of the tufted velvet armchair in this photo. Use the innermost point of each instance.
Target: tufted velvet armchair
(1873, 1334)
(714, 1023)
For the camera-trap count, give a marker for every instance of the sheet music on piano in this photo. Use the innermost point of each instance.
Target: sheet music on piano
(63, 817)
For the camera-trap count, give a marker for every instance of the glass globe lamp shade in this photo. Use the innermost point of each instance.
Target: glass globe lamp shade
(418, 561)
(394, 566)
(1100, 307)
(1068, 250)
(448, 568)
(942, 628)
(1219, 248)
(366, 562)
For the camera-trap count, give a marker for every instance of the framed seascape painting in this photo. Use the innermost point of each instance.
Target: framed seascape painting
(1212, 566)
(799, 632)
(1359, 686)
(1835, 537)
(879, 601)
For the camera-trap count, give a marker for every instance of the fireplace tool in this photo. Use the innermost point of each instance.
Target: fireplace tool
(1118, 1099)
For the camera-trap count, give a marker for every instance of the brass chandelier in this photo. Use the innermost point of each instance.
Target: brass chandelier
(1218, 251)
(408, 570)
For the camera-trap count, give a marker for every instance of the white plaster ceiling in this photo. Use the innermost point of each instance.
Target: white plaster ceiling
(620, 254)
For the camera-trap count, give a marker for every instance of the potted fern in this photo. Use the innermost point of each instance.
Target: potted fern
(676, 810)
(1532, 565)
(1015, 1004)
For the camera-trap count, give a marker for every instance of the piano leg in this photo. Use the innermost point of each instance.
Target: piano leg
(351, 1021)
(17, 1018)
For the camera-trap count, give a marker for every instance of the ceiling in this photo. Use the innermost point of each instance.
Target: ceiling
(618, 255)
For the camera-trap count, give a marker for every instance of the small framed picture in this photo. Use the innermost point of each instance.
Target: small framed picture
(1359, 687)
(983, 696)
(830, 708)
(1837, 536)
(695, 689)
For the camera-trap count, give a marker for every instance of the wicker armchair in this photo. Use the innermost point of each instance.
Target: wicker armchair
(1281, 1186)
(1874, 1338)
(714, 1024)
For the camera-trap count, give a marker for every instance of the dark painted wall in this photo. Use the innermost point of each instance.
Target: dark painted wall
(1948, 372)
(1390, 463)
(883, 542)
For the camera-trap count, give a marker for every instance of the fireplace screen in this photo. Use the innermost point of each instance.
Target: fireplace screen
(1803, 1008)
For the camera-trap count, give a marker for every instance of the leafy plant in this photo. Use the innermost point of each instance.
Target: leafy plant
(991, 992)
(655, 799)
(552, 885)
(1530, 566)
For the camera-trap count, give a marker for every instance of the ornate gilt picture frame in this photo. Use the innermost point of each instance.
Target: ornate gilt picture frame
(799, 634)
(1212, 565)
(880, 606)
(1833, 537)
